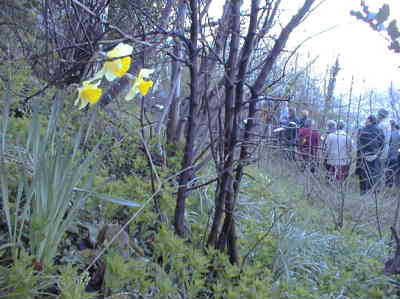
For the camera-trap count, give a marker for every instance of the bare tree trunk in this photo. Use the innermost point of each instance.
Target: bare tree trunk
(229, 183)
(187, 163)
(226, 181)
(228, 232)
(331, 89)
(176, 74)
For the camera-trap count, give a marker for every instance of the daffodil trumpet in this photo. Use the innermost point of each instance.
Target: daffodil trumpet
(140, 85)
(89, 93)
(117, 63)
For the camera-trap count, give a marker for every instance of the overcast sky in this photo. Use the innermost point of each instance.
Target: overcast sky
(363, 52)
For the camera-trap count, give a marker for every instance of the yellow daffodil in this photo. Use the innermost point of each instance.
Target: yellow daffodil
(115, 68)
(89, 93)
(144, 86)
(139, 85)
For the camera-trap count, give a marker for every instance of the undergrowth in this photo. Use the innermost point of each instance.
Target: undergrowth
(118, 240)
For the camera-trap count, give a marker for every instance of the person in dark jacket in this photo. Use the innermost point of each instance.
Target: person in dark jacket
(370, 143)
(292, 116)
(392, 162)
(303, 118)
(287, 135)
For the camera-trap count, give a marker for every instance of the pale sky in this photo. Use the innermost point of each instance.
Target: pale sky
(363, 52)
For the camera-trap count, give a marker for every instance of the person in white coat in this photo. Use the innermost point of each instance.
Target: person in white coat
(331, 126)
(382, 117)
(338, 152)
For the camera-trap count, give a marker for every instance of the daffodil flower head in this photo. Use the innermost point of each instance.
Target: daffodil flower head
(144, 86)
(89, 93)
(114, 68)
(140, 85)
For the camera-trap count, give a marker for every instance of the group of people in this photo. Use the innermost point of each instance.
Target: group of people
(300, 138)
(378, 156)
(376, 146)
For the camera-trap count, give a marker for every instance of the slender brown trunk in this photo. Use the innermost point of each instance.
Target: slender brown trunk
(255, 91)
(247, 49)
(229, 183)
(226, 187)
(187, 163)
(227, 239)
(176, 72)
(228, 235)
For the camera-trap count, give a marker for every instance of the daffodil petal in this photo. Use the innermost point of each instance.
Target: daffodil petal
(110, 76)
(91, 95)
(124, 64)
(145, 73)
(139, 85)
(90, 83)
(132, 93)
(116, 68)
(125, 49)
(120, 50)
(144, 87)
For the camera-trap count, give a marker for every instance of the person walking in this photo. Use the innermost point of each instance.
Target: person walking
(370, 143)
(338, 153)
(392, 162)
(308, 145)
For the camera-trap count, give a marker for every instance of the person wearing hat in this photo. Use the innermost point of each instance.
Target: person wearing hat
(370, 143)
(392, 162)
